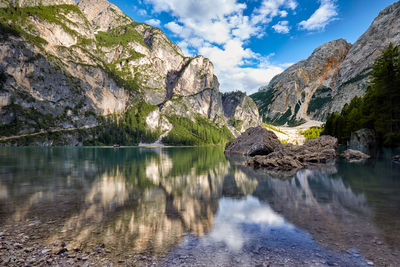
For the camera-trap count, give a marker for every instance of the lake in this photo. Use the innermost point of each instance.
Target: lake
(193, 206)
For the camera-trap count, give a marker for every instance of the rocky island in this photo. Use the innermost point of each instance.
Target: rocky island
(266, 151)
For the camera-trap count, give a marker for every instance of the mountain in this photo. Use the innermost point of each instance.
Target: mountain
(330, 77)
(71, 71)
(293, 95)
(241, 111)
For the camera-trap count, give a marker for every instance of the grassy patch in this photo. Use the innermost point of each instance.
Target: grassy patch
(269, 126)
(122, 35)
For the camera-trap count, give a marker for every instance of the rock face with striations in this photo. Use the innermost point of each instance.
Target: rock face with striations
(241, 111)
(83, 60)
(355, 69)
(330, 77)
(300, 91)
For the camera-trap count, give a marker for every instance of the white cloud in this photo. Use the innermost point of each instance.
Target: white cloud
(283, 14)
(142, 12)
(282, 27)
(174, 27)
(219, 30)
(325, 14)
(228, 62)
(272, 8)
(153, 22)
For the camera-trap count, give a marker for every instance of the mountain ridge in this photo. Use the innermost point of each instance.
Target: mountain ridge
(349, 79)
(71, 66)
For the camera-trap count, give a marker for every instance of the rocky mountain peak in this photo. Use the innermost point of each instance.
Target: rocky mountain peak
(334, 74)
(241, 111)
(76, 64)
(102, 14)
(355, 69)
(291, 94)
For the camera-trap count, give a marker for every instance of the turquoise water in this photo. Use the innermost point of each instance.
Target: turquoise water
(189, 206)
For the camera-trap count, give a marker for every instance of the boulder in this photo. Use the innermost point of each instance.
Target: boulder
(362, 140)
(396, 159)
(322, 143)
(354, 154)
(288, 157)
(278, 160)
(254, 141)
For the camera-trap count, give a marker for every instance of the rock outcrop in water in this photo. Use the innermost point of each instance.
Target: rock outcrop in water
(334, 74)
(65, 66)
(267, 152)
(254, 141)
(351, 154)
(287, 157)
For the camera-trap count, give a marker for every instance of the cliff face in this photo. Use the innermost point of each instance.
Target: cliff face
(241, 111)
(330, 77)
(355, 69)
(299, 92)
(66, 65)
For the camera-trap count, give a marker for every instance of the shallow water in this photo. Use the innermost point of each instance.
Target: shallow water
(193, 206)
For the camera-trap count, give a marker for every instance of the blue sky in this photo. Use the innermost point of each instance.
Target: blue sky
(251, 41)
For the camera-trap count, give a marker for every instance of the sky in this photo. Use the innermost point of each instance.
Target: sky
(249, 42)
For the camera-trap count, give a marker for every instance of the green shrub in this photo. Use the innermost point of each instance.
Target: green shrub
(312, 133)
(270, 126)
(120, 36)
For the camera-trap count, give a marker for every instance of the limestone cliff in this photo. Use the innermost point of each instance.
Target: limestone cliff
(330, 77)
(300, 91)
(241, 111)
(355, 69)
(65, 66)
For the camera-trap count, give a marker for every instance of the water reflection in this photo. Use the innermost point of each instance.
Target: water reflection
(138, 200)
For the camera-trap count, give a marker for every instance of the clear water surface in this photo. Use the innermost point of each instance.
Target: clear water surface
(193, 206)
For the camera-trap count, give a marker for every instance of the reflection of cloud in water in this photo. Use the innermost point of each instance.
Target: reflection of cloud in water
(234, 212)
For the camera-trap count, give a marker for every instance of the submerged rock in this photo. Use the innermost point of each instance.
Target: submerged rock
(354, 154)
(254, 141)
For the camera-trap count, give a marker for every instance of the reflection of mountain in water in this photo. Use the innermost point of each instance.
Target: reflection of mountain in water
(146, 200)
(331, 211)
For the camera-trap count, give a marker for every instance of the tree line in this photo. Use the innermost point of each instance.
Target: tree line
(378, 109)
